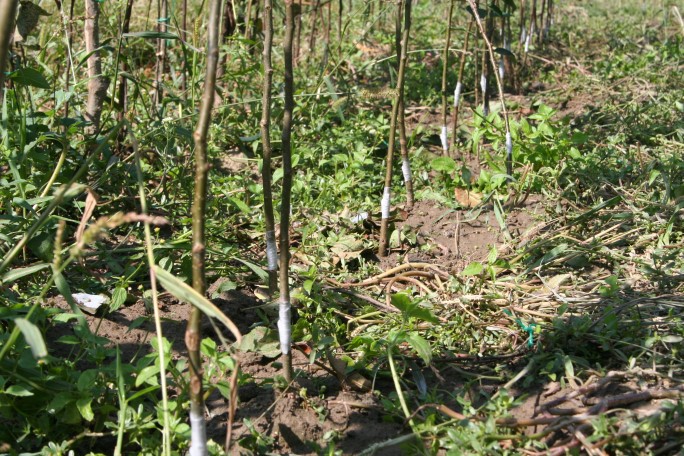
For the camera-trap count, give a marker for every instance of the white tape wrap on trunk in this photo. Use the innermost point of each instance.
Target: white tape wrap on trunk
(483, 83)
(509, 144)
(457, 94)
(385, 203)
(271, 251)
(523, 35)
(527, 44)
(284, 327)
(198, 435)
(406, 169)
(445, 138)
(501, 68)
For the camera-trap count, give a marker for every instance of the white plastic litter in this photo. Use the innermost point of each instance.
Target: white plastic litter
(89, 302)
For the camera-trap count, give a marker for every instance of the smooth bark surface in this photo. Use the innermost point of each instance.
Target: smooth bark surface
(97, 83)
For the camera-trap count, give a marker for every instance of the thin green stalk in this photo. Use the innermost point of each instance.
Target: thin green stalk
(397, 387)
(284, 320)
(166, 433)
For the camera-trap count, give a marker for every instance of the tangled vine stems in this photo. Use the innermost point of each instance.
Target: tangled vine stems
(265, 124)
(284, 320)
(386, 196)
(193, 332)
(490, 51)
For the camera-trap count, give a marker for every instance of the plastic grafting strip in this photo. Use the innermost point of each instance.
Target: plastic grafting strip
(284, 327)
(385, 203)
(445, 138)
(501, 68)
(406, 169)
(457, 94)
(271, 251)
(163, 19)
(483, 83)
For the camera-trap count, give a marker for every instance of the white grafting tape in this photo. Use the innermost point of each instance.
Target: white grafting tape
(406, 169)
(527, 44)
(198, 435)
(457, 94)
(385, 203)
(445, 138)
(271, 251)
(523, 35)
(501, 68)
(284, 327)
(483, 83)
(509, 144)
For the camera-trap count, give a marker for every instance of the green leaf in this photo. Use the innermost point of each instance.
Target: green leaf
(18, 390)
(505, 52)
(185, 293)
(473, 269)
(256, 269)
(16, 274)
(119, 296)
(148, 373)
(85, 409)
(151, 34)
(443, 164)
(240, 205)
(29, 77)
(420, 345)
(33, 337)
(411, 309)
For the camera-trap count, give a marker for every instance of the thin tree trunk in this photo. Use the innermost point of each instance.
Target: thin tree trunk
(284, 320)
(97, 84)
(297, 46)
(340, 9)
(271, 248)
(227, 30)
(312, 32)
(193, 333)
(403, 143)
(123, 82)
(459, 83)
(248, 20)
(386, 196)
(490, 51)
(445, 66)
(160, 68)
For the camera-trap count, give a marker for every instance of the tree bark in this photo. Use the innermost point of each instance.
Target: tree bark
(97, 84)
(8, 13)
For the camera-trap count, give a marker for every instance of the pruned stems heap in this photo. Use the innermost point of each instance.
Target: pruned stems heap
(492, 59)
(386, 195)
(271, 247)
(284, 312)
(193, 332)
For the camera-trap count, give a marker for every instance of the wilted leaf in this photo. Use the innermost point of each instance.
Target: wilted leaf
(466, 198)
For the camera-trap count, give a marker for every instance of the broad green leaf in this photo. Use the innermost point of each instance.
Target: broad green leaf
(474, 268)
(33, 337)
(18, 390)
(85, 409)
(240, 205)
(148, 373)
(185, 293)
(443, 164)
(16, 274)
(29, 77)
(420, 345)
(256, 269)
(504, 52)
(119, 296)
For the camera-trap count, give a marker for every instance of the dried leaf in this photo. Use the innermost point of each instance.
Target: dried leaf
(90, 204)
(466, 198)
(28, 16)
